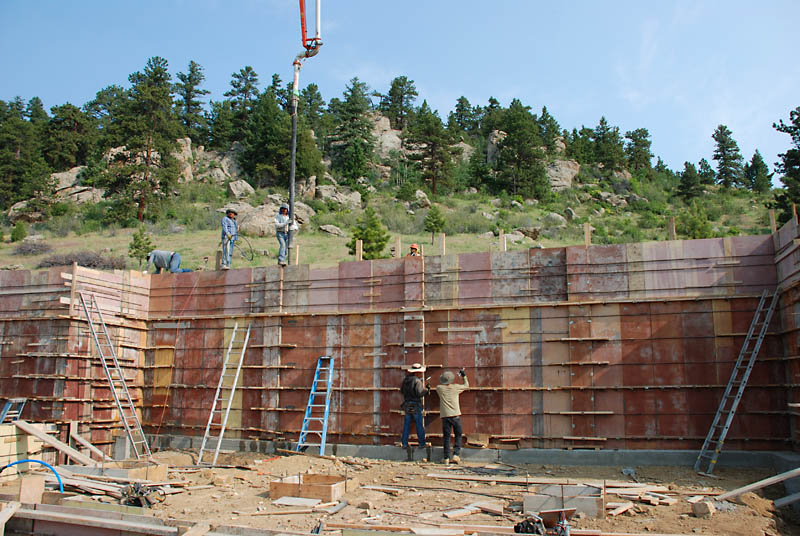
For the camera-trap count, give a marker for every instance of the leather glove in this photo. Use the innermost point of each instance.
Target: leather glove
(462, 373)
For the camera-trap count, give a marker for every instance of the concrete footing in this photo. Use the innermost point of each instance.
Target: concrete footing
(780, 461)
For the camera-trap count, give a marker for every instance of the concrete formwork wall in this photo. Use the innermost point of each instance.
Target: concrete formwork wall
(46, 352)
(623, 346)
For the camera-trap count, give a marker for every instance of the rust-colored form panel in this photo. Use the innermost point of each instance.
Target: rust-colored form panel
(634, 353)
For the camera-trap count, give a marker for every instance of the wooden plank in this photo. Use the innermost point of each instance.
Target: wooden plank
(105, 523)
(7, 513)
(199, 529)
(31, 489)
(80, 439)
(385, 489)
(755, 485)
(624, 507)
(55, 443)
(789, 499)
(296, 501)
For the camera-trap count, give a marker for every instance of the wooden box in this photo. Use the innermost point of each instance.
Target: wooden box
(327, 488)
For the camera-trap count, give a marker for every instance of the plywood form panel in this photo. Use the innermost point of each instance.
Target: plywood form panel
(548, 280)
(475, 278)
(441, 280)
(389, 283)
(510, 277)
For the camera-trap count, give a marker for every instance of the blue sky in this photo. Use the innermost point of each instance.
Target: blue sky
(678, 68)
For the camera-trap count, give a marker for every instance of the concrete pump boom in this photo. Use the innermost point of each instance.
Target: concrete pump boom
(311, 46)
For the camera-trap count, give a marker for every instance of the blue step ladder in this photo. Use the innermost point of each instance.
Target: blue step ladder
(315, 422)
(12, 409)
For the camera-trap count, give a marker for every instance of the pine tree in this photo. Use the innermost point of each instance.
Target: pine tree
(637, 149)
(549, 129)
(789, 164)
(372, 234)
(71, 137)
(19, 232)
(706, 172)
(146, 171)
(107, 109)
(608, 147)
(221, 125)
(243, 93)
(463, 118)
(728, 157)
(690, 185)
(430, 145)
(398, 103)
(352, 143)
(434, 221)
(756, 174)
(190, 109)
(520, 161)
(140, 245)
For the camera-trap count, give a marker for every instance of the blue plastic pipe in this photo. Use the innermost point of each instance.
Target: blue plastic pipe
(60, 484)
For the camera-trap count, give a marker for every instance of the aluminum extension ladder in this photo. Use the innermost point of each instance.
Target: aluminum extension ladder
(712, 445)
(228, 380)
(12, 409)
(116, 380)
(315, 421)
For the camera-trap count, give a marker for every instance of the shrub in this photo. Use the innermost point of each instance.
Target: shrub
(88, 259)
(32, 248)
(19, 232)
(140, 245)
(372, 234)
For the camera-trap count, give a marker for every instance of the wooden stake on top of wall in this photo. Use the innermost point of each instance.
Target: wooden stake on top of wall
(359, 250)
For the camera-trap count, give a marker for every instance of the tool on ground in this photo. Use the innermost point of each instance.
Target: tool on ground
(226, 388)
(712, 445)
(115, 377)
(315, 421)
(311, 46)
(562, 527)
(533, 524)
(12, 409)
(138, 494)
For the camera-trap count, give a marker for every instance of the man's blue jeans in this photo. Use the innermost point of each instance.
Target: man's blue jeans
(283, 242)
(227, 252)
(413, 411)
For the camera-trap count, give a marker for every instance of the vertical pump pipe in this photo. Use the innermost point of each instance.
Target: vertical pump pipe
(310, 48)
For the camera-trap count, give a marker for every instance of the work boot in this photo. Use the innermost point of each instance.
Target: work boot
(455, 459)
(410, 454)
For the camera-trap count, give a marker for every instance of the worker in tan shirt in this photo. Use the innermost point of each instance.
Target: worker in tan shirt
(450, 412)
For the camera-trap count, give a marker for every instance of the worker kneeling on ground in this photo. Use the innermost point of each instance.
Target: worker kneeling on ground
(413, 390)
(450, 412)
(165, 260)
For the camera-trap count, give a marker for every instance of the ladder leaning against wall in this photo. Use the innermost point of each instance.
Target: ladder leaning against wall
(712, 446)
(228, 380)
(115, 377)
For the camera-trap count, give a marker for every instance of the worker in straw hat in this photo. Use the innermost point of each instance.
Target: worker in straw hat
(450, 411)
(413, 390)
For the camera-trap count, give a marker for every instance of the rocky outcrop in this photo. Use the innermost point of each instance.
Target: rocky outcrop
(466, 150)
(65, 179)
(493, 147)
(560, 173)
(343, 196)
(553, 219)
(307, 189)
(185, 159)
(421, 200)
(240, 189)
(386, 138)
(332, 229)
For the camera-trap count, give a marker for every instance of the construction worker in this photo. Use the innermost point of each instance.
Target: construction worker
(413, 251)
(450, 412)
(230, 233)
(282, 228)
(165, 260)
(413, 390)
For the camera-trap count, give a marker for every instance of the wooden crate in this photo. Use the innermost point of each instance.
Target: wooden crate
(327, 488)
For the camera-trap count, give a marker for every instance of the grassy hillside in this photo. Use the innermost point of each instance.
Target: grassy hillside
(190, 225)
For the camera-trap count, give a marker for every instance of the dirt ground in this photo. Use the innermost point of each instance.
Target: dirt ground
(242, 491)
